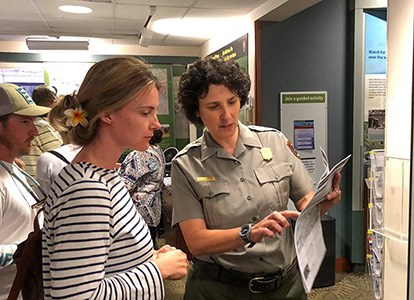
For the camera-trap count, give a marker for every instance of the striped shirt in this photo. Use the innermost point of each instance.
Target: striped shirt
(47, 139)
(95, 243)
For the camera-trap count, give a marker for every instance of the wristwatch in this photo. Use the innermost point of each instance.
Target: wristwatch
(245, 231)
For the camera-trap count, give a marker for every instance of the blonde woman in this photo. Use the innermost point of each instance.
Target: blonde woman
(96, 244)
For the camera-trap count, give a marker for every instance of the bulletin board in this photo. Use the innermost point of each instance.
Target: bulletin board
(304, 122)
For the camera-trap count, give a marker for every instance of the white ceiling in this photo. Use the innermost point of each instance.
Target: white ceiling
(122, 19)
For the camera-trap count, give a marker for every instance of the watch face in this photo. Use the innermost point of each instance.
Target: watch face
(245, 232)
(245, 229)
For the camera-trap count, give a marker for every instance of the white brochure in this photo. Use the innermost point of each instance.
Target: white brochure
(309, 241)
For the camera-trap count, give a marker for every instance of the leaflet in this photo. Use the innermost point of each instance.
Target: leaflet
(309, 241)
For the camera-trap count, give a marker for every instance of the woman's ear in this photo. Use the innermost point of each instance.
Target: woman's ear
(106, 118)
(197, 113)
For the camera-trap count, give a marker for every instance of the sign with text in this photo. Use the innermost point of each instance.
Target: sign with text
(236, 50)
(304, 137)
(304, 121)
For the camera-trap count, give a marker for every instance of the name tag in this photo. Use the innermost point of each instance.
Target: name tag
(206, 178)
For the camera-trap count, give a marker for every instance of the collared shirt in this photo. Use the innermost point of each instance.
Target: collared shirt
(228, 191)
(16, 221)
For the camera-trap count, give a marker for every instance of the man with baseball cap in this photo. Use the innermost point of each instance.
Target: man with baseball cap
(17, 115)
(48, 138)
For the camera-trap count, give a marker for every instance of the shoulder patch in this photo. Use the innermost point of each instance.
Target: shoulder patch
(261, 128)
(291, 148)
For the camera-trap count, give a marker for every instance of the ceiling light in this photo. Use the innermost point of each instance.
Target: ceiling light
(191, 27)
(52, 43)
(75, 9)
(145, 37)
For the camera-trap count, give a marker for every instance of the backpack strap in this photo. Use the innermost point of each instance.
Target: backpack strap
(27, 259)
(59, 156)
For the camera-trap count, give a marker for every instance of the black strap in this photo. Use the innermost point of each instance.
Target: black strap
(27, 259)
(59, 156)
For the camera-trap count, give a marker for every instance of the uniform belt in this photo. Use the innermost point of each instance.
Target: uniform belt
(256, 283)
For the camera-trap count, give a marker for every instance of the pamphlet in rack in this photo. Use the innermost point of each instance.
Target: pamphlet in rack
(376, 221)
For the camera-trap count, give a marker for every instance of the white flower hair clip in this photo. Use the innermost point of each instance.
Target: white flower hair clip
(76, 116)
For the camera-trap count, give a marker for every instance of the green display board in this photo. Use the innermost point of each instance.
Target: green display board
(237, 51)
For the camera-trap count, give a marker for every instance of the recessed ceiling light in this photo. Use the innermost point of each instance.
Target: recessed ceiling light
(75, 9)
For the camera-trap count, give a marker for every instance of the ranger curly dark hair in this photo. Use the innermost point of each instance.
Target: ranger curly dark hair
(194, 84)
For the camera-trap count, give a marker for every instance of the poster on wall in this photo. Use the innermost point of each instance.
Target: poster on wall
(161, 73)
(304, 134)
(375, 80)
(28, 79)
(376, 124)
(165, 143)
(165, 111)
(310, 165)
(304, 121)
(375, 63)
(180, 121)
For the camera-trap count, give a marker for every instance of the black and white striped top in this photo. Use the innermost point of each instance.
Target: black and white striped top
(95, 243)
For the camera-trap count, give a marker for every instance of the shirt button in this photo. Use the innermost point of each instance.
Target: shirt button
(236, 162)
(210, 194)
(254, 219)
(242, 179)
(261, 259)
(249, 198)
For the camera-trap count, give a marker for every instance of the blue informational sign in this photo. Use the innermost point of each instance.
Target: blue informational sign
(375, 45)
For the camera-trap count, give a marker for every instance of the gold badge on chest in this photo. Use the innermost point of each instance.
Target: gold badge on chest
(266, 153)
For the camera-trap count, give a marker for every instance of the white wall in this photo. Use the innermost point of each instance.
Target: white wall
(272, 10)
(398, 146)
(237, 30)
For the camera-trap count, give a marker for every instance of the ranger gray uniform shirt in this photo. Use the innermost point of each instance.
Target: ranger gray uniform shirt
(228, 191)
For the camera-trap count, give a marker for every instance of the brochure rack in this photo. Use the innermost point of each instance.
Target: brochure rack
(375, 221)
(397, 172)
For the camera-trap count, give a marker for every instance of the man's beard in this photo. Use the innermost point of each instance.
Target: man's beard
(9, 144)
(25, 151)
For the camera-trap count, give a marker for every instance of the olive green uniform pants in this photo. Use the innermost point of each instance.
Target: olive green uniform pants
(207, 281)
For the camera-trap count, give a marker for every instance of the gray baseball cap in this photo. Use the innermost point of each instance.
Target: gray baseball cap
(15, 100)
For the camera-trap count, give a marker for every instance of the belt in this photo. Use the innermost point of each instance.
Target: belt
(256, 283)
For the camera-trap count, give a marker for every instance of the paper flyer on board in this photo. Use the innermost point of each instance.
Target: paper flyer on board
(309, 241)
